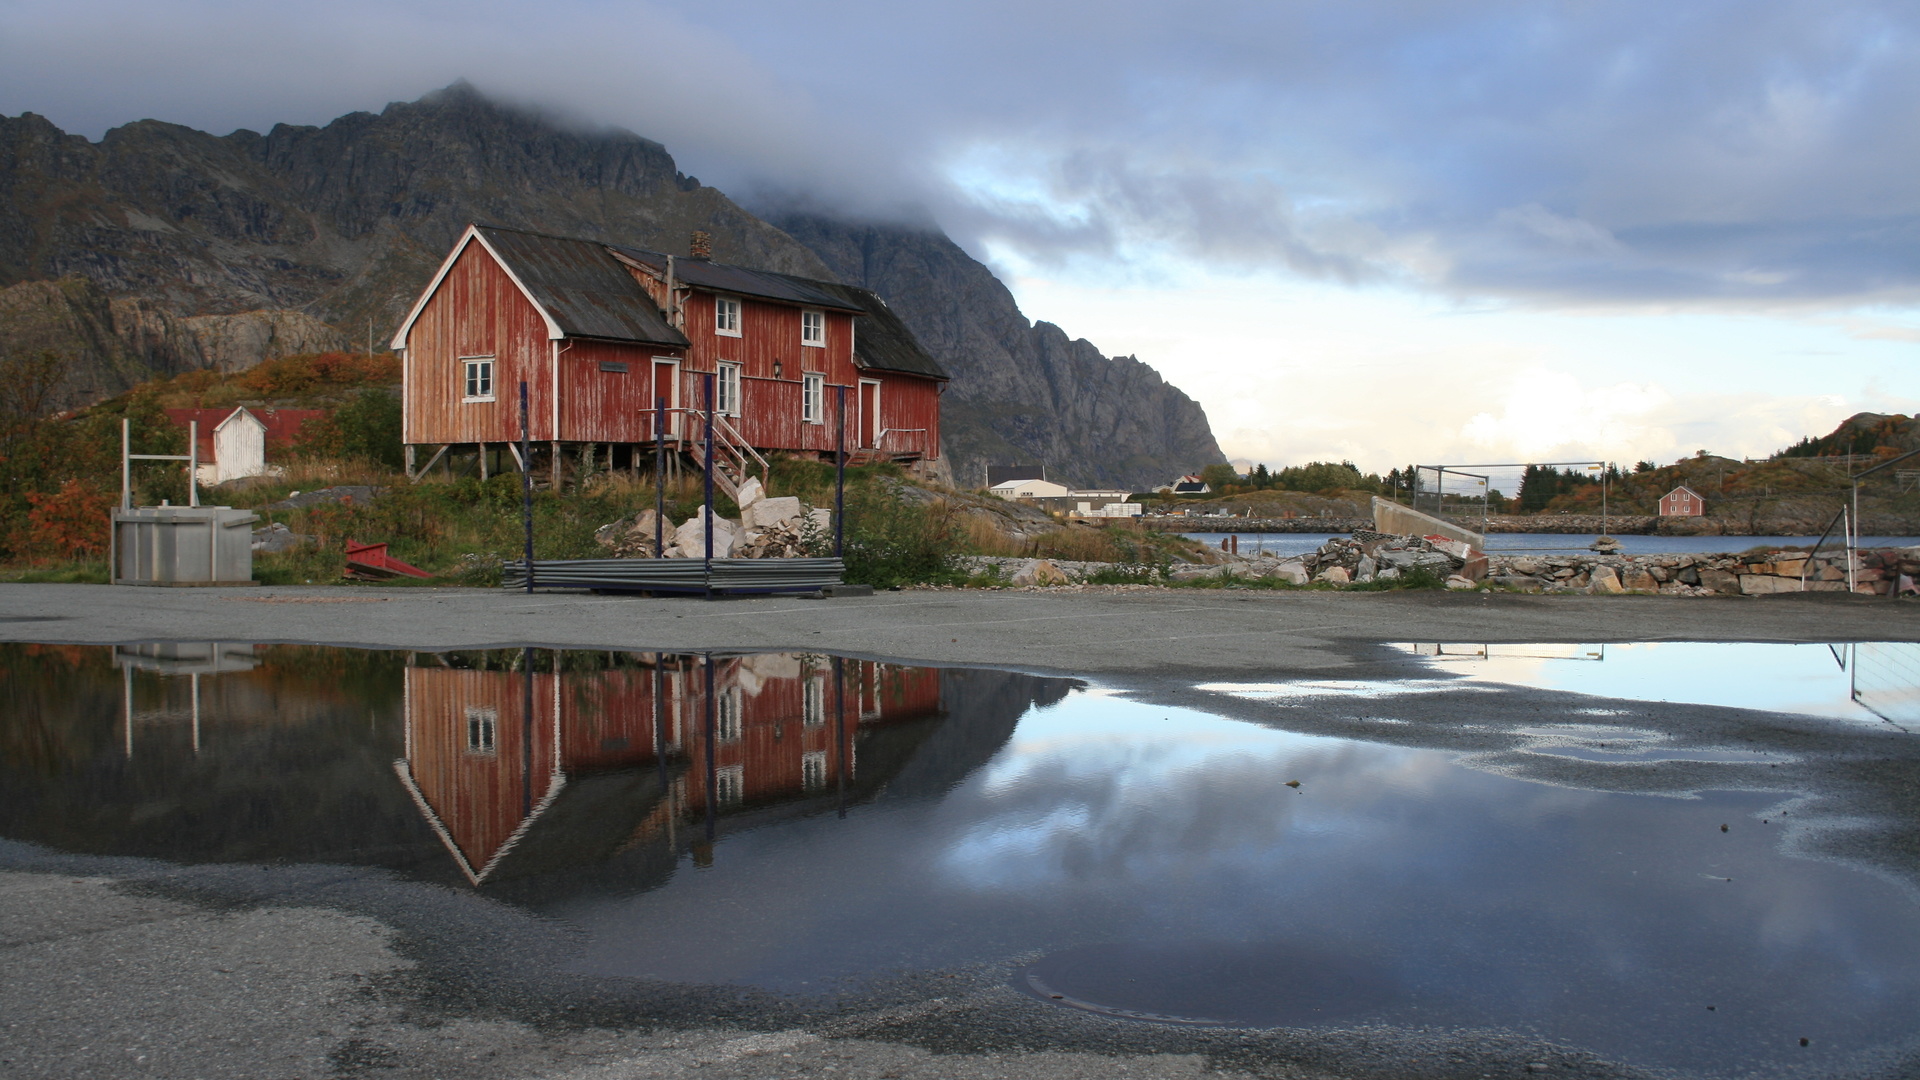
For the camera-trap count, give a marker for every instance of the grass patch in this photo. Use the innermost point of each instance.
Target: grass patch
(65, 572)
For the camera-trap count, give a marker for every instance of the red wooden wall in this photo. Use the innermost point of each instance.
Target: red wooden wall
(605, 720)
(478, 311)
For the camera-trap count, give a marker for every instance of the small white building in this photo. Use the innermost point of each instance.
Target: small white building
(239, 447)
(1030, 489)
(235, 443)
(1104, 503)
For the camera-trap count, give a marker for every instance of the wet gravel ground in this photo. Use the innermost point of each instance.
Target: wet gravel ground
(126, 968)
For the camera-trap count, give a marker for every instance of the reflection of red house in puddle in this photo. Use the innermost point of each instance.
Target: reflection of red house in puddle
(490, 749)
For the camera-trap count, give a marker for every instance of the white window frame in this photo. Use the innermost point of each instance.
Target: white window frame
(483, 723)
(813, 702)
(813, 771)
(469, 365)
(726, 316)
(813, 397)
(727, 725)
(813, 328)
(726, 388)
(730, 785)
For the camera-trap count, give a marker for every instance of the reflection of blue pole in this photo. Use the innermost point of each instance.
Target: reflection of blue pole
(840, 729)
(526, 731)
(713, 770)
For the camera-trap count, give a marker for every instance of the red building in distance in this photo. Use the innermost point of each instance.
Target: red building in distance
(1682, 501)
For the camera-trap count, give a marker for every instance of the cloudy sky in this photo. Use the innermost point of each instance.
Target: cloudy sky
(1384, 230)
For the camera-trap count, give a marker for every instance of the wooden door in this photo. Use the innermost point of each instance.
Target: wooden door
(666, 384)
(870, 429)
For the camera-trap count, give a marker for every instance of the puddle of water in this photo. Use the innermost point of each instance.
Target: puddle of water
(799, 822)
(1866, 681)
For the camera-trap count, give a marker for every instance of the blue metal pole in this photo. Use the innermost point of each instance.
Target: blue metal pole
(526, 481)
(659, 475)
(708, 522)
(840, 480)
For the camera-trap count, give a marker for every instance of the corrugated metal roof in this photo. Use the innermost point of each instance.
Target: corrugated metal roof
(582, 287)
(882, 341)
(721, 277)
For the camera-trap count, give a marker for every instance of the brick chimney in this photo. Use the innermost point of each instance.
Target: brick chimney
(702, 246)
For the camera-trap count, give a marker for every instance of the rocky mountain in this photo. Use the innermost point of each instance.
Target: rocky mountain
(160, 248)
(1021, 391)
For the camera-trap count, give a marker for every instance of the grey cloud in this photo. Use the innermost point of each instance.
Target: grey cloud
(1752, 151)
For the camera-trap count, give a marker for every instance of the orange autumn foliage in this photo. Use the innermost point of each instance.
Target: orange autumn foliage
(70, 523)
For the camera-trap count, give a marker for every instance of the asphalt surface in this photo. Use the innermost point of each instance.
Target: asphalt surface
(1176, 633)
(130, 968)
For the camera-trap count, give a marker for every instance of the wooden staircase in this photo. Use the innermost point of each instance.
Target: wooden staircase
(733, 457)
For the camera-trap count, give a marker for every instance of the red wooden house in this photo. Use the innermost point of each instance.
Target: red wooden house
(490, 752)
(1682, 501)
(607, 339)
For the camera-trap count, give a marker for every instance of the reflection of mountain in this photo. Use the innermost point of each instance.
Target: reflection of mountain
(499, 742)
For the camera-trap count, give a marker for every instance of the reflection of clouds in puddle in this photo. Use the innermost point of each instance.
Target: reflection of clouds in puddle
(1310, 689)
(1868, 681)
(1096, 788)
(1804, 679)
(1604, 743)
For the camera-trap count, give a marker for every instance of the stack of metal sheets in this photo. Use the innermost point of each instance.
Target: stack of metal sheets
(677, 575)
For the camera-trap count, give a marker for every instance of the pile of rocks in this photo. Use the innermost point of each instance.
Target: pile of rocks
(1366, 556)
(767, 528)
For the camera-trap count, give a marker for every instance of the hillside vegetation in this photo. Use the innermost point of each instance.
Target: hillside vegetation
(342, 480)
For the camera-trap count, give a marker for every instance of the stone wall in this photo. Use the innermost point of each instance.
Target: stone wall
(1256, 525)
(1877, 572)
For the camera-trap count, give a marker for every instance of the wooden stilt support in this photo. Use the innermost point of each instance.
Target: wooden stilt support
(557, 465)
(410, 450)
(432, 461)
(483, 463)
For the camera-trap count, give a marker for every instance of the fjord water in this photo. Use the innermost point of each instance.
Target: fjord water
(806, 824)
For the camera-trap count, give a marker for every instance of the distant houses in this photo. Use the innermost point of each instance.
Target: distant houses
(1186, 485)
(1061, 499)
(1682, 501)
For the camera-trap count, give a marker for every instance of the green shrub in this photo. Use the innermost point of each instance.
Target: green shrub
(894, 541)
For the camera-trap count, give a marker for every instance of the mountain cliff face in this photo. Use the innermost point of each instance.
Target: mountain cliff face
(1021, 392)
(220, 250)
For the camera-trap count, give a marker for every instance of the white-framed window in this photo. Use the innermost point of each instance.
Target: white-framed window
(730, 785)
(477, 378)
(726, 316)
(813, 701)
(726, 390)
(813, 398)
(726, 715)
(813, 328)
(813, 771)
(481, 721)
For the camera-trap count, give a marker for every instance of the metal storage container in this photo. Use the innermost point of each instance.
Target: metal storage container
(183, 545)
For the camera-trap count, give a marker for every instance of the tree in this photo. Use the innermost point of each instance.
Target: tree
(1219, 476)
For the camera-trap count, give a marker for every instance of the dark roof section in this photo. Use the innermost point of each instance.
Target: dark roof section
(582, 287)
(720, 277)
(880, 341)
(1000, 474)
